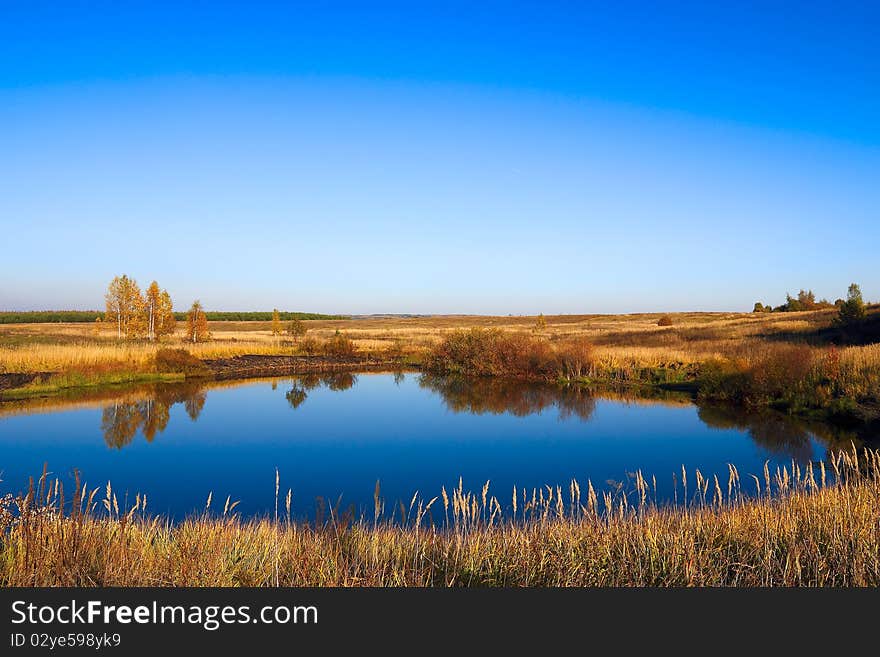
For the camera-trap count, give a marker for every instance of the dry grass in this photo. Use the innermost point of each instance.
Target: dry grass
(818, 526)
(624, 348)
(694, 337)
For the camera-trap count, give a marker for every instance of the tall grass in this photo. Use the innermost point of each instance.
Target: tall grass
(751, 358)
(492, 352)
(795, 376)
(812, 526)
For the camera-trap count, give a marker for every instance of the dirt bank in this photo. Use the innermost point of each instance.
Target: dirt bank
(251, 365)
(11, 380)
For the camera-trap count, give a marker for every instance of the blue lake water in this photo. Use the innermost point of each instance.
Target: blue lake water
(336, 436)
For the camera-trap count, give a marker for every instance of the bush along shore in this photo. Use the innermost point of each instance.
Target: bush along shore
(840, 384)
(737, 361)
(800, 526)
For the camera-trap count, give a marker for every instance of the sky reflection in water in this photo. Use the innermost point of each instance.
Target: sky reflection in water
(337, 435)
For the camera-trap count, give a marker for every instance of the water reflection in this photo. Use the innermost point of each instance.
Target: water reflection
(123, 418)
(338, 433)
(780, 434)
(775, 432)
(336, 381)
(496, 396)
(147, 409)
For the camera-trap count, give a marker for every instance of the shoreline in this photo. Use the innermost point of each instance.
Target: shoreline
(16, 386)
(46, 385)
(580, 537)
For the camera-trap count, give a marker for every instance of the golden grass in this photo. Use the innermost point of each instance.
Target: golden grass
(813, 526)
(625, 347)
(49, 347)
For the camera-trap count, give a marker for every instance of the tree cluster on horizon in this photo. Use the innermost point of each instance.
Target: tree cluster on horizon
(149, 315)
(850, 310)
(805, 300)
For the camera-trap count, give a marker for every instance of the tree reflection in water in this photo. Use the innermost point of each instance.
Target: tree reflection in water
(497, 396)
(779, 434)
(774, 432)
(121, 420)
(336, 381)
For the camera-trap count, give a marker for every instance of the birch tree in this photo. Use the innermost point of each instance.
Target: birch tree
(166, 323)
(115, 301)
(124, 305)
(151, 309)
(197, 324)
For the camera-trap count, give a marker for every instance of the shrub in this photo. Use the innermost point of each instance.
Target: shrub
(179, 361)
(666, 320)
(339, 346)
(575, 356)
(396, 350)
(491, 352)
(723, 379)
(296, 329)
(780, 373)
(853, 309)
(309, 346)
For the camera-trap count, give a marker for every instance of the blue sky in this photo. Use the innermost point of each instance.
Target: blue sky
(450, 157)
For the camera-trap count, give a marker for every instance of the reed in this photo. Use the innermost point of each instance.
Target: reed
(813, 525)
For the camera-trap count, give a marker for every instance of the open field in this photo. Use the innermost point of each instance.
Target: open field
(814, 526)
(693, 337)
(796, 359)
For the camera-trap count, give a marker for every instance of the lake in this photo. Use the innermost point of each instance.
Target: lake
(335, 436)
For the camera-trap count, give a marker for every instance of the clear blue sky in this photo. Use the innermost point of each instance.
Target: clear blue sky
(453, 157)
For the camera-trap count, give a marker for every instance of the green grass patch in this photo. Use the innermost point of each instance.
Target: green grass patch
(61, 382)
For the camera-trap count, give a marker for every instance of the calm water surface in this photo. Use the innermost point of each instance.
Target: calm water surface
(335, 436)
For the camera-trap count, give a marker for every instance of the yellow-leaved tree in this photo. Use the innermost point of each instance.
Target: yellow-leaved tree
(276, 322)
(124, 306)
(540, 324)
(151, 308)
(158, 312)
(197, 324)
(166, 323)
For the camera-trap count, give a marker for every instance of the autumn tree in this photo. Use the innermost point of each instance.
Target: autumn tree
(197, 324)
(158, 312)
(540, 324)
(296, 329)
(166, 324)
(124, 306)
(807, 300)
(853, 309)
(115, 302)
(276, 322)
(151, 308)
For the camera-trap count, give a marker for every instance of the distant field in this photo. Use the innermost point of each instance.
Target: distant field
(82, 316)
(692, 337)
(800, 361)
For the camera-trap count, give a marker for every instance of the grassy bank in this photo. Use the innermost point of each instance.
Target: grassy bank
(796, 361)
(77, 381)
(842, 383)
(793, 527)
